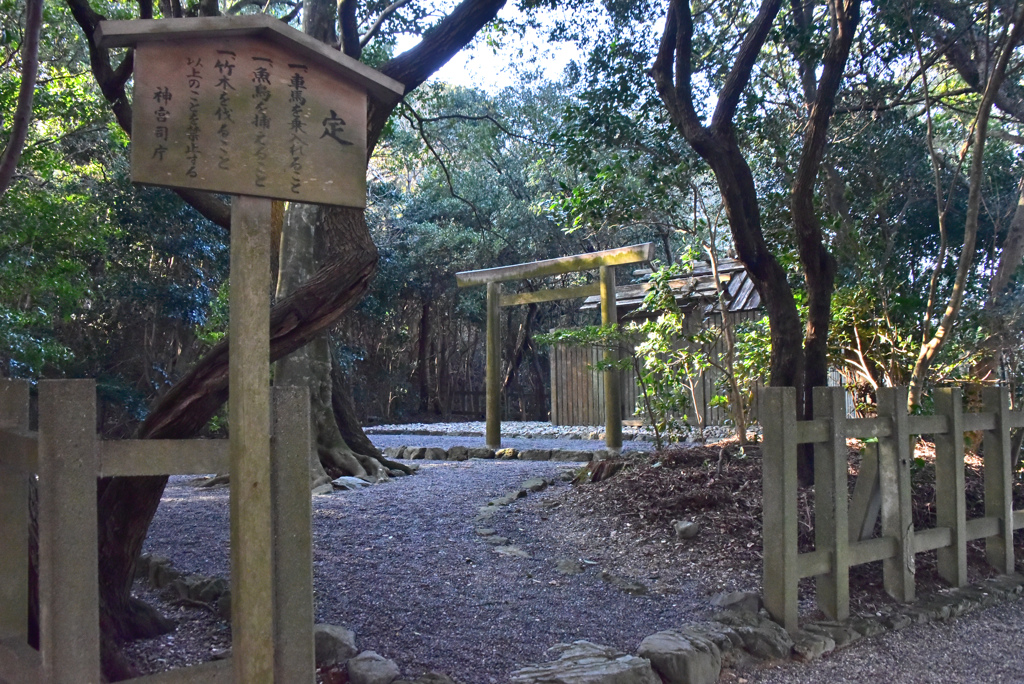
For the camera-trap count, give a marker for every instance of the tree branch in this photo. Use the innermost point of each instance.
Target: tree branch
(388, 11)
(23, 111)
(739, 75)
(442, 42)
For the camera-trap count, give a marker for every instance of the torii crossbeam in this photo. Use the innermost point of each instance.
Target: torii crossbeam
(605, 261)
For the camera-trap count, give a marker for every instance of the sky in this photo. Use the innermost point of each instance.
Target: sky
(483, 66)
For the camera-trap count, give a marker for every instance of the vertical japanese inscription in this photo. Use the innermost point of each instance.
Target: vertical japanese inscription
(161, 116)
(194, 80)
(261, 116)
(225, 66)
(244, 116)
(297, 126)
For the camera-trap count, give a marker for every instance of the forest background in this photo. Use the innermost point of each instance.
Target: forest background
(862, 160)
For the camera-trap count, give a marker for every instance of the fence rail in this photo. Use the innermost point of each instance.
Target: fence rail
(841, 523)
(67, 457)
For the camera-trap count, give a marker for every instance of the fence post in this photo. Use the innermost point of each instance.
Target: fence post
(950, 504)
(894, 478)
(13, 516)
(866, 501)
(998, 480)
(831, 528)
(69, 621)
(778, 485)
(294, 659)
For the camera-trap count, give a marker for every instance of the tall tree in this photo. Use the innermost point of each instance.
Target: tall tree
(797, 359)
(345, 250)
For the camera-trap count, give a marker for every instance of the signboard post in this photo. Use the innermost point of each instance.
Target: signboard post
(253, 108)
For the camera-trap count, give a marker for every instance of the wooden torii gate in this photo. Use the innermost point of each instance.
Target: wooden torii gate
(605, 261)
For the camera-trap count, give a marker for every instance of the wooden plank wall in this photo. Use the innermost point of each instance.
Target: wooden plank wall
(577, 390)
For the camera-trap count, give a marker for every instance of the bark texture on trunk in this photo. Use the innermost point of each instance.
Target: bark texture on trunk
(717, 145)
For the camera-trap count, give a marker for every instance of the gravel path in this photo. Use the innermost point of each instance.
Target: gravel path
(403, 566)
(979, 648)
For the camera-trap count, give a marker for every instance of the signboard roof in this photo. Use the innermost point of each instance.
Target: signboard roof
(131, 33)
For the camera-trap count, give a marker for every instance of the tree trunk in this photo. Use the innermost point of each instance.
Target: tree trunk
(421, 360)
(26, 92)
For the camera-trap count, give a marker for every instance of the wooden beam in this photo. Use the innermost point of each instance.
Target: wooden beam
(252, 600)
(493, 369)
(612, 395)
(870, 550)
(549, 267)
(550, 295)
(135, 457)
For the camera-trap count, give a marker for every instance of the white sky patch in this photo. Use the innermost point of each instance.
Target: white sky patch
(492, 68)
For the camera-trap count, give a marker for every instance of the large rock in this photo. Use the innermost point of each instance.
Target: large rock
(761, 637)
(685, 529)
(570, 455)
(682, 658)
(435, 454)
(583, 662)
(808, 646)
(458, 453)
(568, 566)
(347, 483)
(534, 484)
(535, 455)
(428, 678)
(395, 453)
(481, 452)
(415, 453)
(749, 601)
(333, 644)
(369, 667)
(627, 585)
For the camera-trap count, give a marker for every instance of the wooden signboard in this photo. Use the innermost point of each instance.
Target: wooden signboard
(247, 106)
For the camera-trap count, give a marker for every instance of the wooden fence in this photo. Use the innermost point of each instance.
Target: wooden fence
(67, 457)
(840, 523)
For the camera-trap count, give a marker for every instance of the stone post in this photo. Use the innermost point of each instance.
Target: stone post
(831, 527)
(894, 458)
(14, 398)
(999, 480)
(69, 618)
(779, 484)
(293, 539)
(950, 504)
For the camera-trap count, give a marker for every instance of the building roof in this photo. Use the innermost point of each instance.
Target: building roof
(695, 288)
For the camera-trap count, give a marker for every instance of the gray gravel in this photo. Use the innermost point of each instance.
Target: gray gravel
(520, 443)
(403, 566)
(982, 647)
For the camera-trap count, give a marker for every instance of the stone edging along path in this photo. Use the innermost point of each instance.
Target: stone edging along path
(695, 653)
